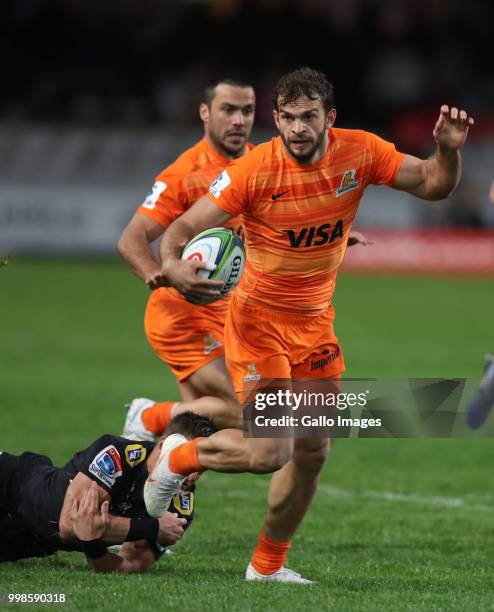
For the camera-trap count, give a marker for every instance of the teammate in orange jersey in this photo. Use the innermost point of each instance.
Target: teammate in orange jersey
(188, 338)
(298, 195)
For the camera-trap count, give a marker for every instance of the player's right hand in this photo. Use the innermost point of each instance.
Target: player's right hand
(88, 519)
(171, 529)
(183, 275)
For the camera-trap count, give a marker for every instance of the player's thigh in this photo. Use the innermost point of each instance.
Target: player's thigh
(211, 383)
(185, 337)
(211, 379)
(254, 349)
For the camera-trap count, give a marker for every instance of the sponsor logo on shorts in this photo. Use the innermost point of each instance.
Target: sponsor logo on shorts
(326, 357)
(348, 182)
(135, 454)
(107, 466)
(184, 503)
(219, 184)
(210, 343)
(154, 194)
(252, 374)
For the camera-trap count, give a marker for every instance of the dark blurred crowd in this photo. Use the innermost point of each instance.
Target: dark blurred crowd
(144, 61)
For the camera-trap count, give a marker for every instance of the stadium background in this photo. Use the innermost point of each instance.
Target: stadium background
(97, 98)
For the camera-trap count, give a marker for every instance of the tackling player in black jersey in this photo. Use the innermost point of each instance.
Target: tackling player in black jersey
(99, 491)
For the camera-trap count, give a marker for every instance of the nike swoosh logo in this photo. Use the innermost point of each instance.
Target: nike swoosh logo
(275, 196)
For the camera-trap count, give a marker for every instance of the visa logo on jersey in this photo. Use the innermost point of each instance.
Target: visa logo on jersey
(315, 236)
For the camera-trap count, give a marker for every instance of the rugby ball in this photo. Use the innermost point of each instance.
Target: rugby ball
(222, 249)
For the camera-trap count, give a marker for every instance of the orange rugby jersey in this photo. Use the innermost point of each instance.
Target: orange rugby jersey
(177, 188)
(297, 217)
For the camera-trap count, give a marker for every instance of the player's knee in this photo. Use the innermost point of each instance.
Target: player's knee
(311, 461)
(272, 459)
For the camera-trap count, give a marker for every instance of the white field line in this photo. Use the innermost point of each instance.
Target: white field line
(395, 497)
(229, 487)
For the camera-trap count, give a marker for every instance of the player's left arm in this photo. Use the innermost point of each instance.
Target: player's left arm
(183, 274)
(436, 178)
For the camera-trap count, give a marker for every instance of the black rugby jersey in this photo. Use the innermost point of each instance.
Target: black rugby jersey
(32, 492)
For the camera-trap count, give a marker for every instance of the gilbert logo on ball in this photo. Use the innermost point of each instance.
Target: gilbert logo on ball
(222, 249)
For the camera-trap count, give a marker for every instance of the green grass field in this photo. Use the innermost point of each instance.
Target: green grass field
(397, 524)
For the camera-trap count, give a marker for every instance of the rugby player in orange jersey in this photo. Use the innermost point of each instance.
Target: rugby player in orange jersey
(188, 338)
(298, 195)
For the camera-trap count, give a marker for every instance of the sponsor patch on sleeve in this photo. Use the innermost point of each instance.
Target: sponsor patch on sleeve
(107, 466)
(184, 503)
(154, 194)
(219, 184)
(135, 454)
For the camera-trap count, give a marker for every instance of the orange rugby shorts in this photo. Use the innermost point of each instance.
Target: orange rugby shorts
(183, 335)
(263, 344)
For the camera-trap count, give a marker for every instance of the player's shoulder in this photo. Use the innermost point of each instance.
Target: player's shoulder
(343, 135)
(186, 162)
(125, 451)
(118, 441)
(259, 156)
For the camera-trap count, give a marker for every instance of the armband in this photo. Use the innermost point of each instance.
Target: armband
(143, 529)
(93, 549)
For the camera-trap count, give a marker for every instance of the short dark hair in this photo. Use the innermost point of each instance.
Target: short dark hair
(190, 425)
(304, 82)
(209, 93)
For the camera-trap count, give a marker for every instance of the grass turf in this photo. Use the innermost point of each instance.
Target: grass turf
(397, 524)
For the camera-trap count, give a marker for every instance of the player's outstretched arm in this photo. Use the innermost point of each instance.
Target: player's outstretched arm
(183, 274)
(134, 247)
(436, 178)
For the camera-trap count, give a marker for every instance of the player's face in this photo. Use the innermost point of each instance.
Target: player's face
(228, 122)
(303, 127)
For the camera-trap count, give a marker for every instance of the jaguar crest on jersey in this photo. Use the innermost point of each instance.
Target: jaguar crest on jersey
(210, 343)
(252, 374)
(348, 182)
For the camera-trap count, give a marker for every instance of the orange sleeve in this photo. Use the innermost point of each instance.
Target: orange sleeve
(386, 160)
(230, 190)
(165, 202)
